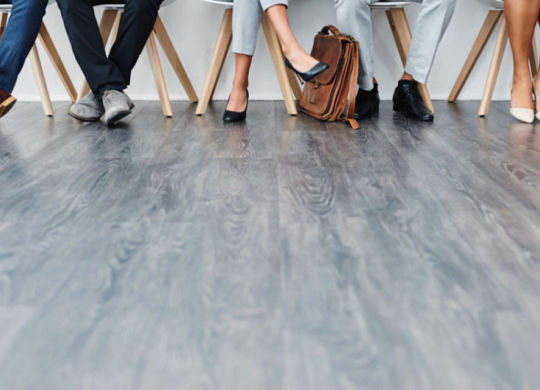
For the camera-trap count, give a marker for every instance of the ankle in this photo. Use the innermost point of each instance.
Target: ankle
(522, 78)
(407, 77)
(240, 85)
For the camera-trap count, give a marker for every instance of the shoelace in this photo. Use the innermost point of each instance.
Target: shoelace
(107, 99)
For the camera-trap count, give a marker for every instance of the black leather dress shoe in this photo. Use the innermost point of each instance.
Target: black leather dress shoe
(235, 116)
(310, 74)
(407, 100)
(367, 103)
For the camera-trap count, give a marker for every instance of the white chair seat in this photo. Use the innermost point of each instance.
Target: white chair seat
(494, 4)
(120, 6)
(390, 4)
(225, 3)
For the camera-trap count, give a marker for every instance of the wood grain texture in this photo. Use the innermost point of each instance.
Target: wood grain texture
(283, 253)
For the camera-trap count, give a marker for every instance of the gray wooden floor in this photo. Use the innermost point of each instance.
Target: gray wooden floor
(285, 254)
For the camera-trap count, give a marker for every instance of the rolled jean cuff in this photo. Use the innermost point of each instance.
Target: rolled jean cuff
(246, 50)
(265, 4)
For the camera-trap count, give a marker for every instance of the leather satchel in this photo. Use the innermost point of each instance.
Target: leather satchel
(331, 96)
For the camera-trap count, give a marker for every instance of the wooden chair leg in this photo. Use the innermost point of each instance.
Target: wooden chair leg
(293, 81)
(486, 31)
(279, 65)
(151, 47)
(494, 68)
(3, 23)
(533, 57)
(219, 55)
(105, 27)
(403, 37)
(172, 55)
(41, 83)
(51, 51)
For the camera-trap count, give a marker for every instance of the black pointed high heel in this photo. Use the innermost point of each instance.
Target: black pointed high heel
(235, 116)
(310, 74)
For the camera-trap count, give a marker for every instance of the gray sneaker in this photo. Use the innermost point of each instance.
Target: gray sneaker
(117, 105)
(88, 109)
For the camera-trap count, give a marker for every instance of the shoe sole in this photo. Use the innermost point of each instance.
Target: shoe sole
(404, 112)
(117, 117)
(82, 119)
(7, 105)
(372, 114)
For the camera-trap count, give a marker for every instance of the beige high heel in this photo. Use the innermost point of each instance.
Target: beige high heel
(525, 115)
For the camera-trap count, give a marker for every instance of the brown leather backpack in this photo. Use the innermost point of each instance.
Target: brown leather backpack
(326, 96)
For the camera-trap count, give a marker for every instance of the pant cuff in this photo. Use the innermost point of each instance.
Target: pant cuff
(366, 84)
(246, 50)
(265, 4)
(417, 75)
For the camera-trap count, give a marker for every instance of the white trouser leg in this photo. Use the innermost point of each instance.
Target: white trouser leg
(354, 18)
(430, 27)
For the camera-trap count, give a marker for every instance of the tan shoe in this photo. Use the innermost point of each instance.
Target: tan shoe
(6, 102)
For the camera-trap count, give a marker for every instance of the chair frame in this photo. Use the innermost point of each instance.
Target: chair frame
(47, 43)
(287, 79)
(493, 18)
(109, 25)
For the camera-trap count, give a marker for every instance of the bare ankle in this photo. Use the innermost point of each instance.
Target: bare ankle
(240, 85)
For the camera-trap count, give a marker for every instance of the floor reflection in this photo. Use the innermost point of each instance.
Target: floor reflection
(524, 142)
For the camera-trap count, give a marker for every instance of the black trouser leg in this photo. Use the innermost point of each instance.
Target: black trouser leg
(135, 28)
(83, 31)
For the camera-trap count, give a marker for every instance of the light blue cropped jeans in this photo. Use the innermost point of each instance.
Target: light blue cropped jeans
(247, 21)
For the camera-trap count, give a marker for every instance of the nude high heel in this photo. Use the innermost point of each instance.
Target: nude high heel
(524, 114)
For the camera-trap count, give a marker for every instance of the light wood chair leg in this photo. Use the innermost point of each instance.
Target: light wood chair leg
(533, 57)
(403, 37)
(500, 47)
(51, 51)
(486, 31)
(115, 28)
(41, 83)
(155, 62)
(174, 59)
(219, 55)
(105, 27)
(279, 65)
(3, 23)
(293, 81)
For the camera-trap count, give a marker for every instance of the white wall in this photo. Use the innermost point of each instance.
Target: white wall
(193, 25)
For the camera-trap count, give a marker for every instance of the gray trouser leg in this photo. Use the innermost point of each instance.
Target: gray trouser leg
(246, 22)
(431, 25)
(354, 18)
